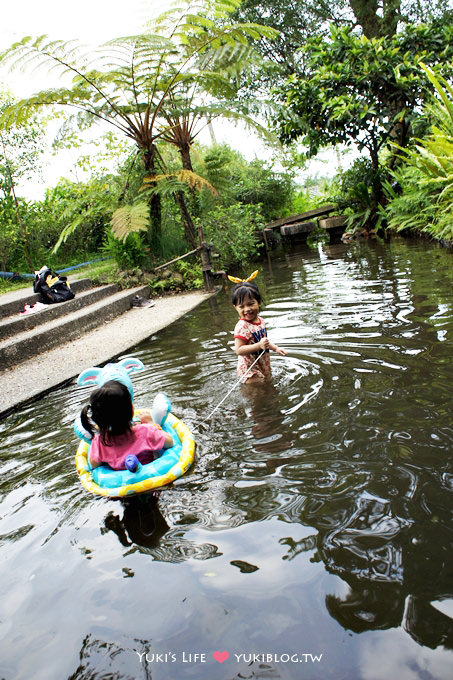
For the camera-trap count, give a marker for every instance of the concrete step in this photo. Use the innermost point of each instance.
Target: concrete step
(13, 325)
(297, 228)
(57, 331)
(333, 222)
(15, 301)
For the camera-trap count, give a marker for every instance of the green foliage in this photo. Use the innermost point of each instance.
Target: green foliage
(254, 183)
(128, 253)
(233, 230)
(301, 202)
(146, 86)
(361, 90)
(191, 272)
(299, 21)
(129, 219)
(424, 199)
(358, 193)
(80, 211)
(182, 275)
(11, 242)
(20, 148)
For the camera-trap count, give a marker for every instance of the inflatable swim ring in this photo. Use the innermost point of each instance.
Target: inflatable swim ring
(171, 464)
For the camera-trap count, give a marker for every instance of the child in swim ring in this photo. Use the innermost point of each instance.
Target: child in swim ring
(250, 335)
(115, 436)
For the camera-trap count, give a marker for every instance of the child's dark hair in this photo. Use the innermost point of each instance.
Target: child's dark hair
(244, 290)
(111, 409)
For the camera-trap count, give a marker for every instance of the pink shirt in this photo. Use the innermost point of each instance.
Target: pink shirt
(143, 441)
(252, 332)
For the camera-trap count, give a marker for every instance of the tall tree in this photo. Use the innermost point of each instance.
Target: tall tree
(300, 20)
(363, 91)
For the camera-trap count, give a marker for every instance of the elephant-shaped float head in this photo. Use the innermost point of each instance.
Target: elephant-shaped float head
(119, 371)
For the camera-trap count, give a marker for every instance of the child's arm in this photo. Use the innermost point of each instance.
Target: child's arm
(146, 417)
(276, 348)
(168, 441)
(242, 347)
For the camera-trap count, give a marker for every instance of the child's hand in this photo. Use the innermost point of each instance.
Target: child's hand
(145, 416)
(264, 343)
(281, 352)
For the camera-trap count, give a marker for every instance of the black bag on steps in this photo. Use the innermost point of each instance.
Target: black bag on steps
(52, 287)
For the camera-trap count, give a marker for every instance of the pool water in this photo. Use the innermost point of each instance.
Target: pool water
(313, 536)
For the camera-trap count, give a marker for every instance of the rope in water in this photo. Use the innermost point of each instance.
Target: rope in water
(236, 384)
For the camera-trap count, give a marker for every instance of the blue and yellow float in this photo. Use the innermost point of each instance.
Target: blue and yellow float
(171, 464)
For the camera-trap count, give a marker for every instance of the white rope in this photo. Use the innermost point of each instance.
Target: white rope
(236, 384)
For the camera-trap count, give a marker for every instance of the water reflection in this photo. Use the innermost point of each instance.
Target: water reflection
(141, 523)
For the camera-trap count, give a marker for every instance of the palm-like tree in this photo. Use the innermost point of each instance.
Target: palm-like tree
(130, 82)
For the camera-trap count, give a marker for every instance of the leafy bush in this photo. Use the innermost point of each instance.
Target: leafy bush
(359, 191)
(424, 201)
(233, 230)
(238, 181)
(128, 254)
(301, 202)
(191, 272)
(183, 275)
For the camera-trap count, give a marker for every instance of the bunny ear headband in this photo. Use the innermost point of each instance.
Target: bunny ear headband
(234, 279)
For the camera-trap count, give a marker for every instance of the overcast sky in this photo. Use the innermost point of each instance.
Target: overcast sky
(89, 21)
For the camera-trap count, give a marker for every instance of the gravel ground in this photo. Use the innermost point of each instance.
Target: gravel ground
(40, 374)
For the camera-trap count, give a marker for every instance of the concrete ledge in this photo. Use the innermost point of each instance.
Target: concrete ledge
(333, 222)
(55, 367)
(13, 325)
(297, 228)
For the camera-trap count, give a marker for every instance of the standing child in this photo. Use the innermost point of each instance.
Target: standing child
(250, 336)
(111, 410)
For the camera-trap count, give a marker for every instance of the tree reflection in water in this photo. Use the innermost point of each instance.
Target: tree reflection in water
(382, 548)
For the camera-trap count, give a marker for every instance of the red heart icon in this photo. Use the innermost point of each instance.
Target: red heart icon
(221, 656)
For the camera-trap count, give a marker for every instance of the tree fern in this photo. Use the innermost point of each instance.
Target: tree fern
(167, 183)
(132, 82)
(128, 219)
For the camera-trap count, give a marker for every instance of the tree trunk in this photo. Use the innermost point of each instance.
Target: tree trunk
(189, 228)
(373, 25)
(155, 208)
(187, 165)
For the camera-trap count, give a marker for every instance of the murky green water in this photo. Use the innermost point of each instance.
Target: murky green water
(315, 529)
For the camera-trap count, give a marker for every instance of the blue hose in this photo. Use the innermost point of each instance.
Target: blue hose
(16, 276)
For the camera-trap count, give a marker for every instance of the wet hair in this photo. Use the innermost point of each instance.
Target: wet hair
(244, 290)
(111, 409)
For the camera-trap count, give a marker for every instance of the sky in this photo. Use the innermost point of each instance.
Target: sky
(93, 22)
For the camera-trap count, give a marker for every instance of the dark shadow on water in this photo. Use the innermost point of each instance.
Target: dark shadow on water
(379, 556)
(142, 522)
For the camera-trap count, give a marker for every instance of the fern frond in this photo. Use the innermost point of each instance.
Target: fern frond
(128, 219)
(67, 231)
(195, 181)
(183, 178)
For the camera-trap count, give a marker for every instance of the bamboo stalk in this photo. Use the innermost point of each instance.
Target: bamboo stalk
(181, 257)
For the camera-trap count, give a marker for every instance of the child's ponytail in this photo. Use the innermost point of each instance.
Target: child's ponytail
(86, 422)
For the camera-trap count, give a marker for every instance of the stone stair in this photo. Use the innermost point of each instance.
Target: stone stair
(28, 335)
